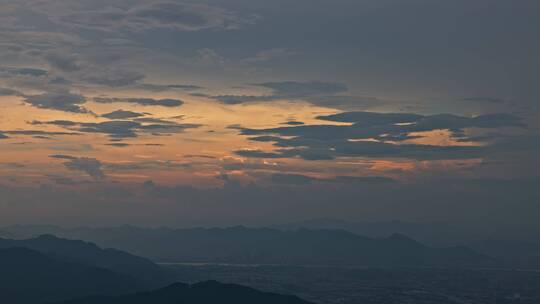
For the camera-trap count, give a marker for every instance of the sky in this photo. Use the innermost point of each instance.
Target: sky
(223, 112)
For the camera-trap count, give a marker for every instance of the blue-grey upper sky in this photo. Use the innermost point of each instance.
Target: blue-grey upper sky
(199, 112)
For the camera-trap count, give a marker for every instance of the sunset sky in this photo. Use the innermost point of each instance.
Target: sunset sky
(221, 112)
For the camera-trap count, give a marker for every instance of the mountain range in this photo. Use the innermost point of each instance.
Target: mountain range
(87, 253)
(48, 269)
(242, 245)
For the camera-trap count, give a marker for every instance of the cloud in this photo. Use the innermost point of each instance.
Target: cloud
(269, 55)
(119, 145)
(63, 61)
(299, 179)
(240, 99)
(62, 123)
(115, 129)
(148, 164)
(291, 179)
(203, 156)
(38, 40)
(120, 129)
(122, 114)
(375, 135)
(168, 87)
(10, 72)
(286, 90)
(346, 102)
(90, 166)
(325, 94)
(142, 101)
(259, 154)
(62, 101)
(143, 16)
(9, 92)
(293, 123)
(485, 99)
(372, 118)
(154, 121)
(113, 77)
(168, 128)
(303, 89)
(38, 132)
(367, 125)
(86, 67)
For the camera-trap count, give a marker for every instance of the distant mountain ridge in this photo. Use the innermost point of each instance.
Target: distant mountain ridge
(210, 292)
(431, 233)
(272, 246)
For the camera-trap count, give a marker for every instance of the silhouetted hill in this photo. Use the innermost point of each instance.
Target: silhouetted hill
(90, 254)
(272, 246)
(28, 276)
(210, 292)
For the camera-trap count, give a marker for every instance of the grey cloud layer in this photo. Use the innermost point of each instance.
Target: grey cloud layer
(299, 179)
(71, 102)
(119, 129)
(374, 135)
(90, 166)
(142, 101)
(63, 101)
(122, 114)
(71, 58)
(360, 37)
(329, 94)
(142, 15)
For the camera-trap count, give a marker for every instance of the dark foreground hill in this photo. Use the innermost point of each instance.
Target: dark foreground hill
(243, 245)
(86, 253)
(210, 292)
(28, 277)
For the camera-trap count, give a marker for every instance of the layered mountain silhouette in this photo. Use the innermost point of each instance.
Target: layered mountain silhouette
(243, 245)
(431, 233)
(28, 276)
(48, 269)
(86, 253)
(210, 292)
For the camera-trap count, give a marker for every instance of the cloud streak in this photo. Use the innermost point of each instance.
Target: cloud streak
(61, 101)
(121, 129)
(171, 103)
(90, 166)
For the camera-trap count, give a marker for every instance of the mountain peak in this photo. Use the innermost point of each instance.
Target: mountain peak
(47, 237)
